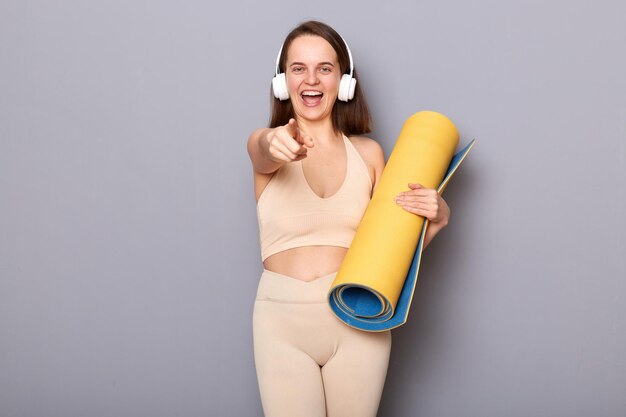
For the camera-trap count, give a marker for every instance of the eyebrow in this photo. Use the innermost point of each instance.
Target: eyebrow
(320, 64)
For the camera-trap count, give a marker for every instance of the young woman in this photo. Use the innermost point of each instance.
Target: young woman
(314, 175)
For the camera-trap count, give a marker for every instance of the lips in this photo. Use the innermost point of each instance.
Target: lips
(311, 97)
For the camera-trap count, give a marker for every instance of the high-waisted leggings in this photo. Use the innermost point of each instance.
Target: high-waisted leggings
(308, 362)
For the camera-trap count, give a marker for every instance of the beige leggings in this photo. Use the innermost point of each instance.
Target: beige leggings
(309, 363)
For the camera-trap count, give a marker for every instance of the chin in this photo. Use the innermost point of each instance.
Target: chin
(313, 114)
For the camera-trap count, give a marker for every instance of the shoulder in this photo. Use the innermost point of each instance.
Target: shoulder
(372, 154)
(261, 179)
(370, 150)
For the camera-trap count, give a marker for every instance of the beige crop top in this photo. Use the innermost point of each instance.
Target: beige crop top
(292, 215)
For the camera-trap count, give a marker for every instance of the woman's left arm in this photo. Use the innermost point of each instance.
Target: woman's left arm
(426, 202)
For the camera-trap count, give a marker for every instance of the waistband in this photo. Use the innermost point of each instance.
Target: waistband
(283, 288)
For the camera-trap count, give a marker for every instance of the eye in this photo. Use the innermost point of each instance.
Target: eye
(326, 70)
(297, 69)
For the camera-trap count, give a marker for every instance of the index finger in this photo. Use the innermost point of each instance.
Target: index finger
(292, 128)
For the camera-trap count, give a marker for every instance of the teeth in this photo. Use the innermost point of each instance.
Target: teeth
(311, 93)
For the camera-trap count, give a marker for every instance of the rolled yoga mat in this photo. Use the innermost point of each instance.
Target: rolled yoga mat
(374, 286)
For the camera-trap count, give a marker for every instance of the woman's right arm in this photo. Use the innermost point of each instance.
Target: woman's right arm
(270, 148)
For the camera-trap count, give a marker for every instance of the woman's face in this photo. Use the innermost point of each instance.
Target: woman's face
(313, 76)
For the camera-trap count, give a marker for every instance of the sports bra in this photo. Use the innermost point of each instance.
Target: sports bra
(292, 215)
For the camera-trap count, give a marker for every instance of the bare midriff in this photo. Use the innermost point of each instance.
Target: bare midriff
(306, 263)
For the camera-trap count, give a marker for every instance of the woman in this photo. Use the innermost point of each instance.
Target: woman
(313, 177)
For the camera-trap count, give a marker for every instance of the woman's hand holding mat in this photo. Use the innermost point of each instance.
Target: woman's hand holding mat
(372, 290)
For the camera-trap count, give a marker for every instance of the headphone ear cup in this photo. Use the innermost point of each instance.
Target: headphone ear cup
(352, 88)
(279, 86)
(347, 86)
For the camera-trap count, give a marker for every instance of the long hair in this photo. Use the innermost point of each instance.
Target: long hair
(352, 117)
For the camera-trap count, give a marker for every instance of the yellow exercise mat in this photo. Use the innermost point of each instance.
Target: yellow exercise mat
(388, 241)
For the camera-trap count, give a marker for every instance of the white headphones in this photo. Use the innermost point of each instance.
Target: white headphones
(347, 84)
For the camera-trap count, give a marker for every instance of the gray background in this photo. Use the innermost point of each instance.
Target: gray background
(128, 240)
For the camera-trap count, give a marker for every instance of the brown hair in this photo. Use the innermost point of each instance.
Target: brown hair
(352, 117)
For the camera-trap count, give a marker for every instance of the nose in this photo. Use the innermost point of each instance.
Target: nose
(311, 77)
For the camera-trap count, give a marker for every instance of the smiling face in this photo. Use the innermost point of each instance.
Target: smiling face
(313, 76)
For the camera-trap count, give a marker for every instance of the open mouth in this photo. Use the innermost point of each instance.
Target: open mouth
(311, 97)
